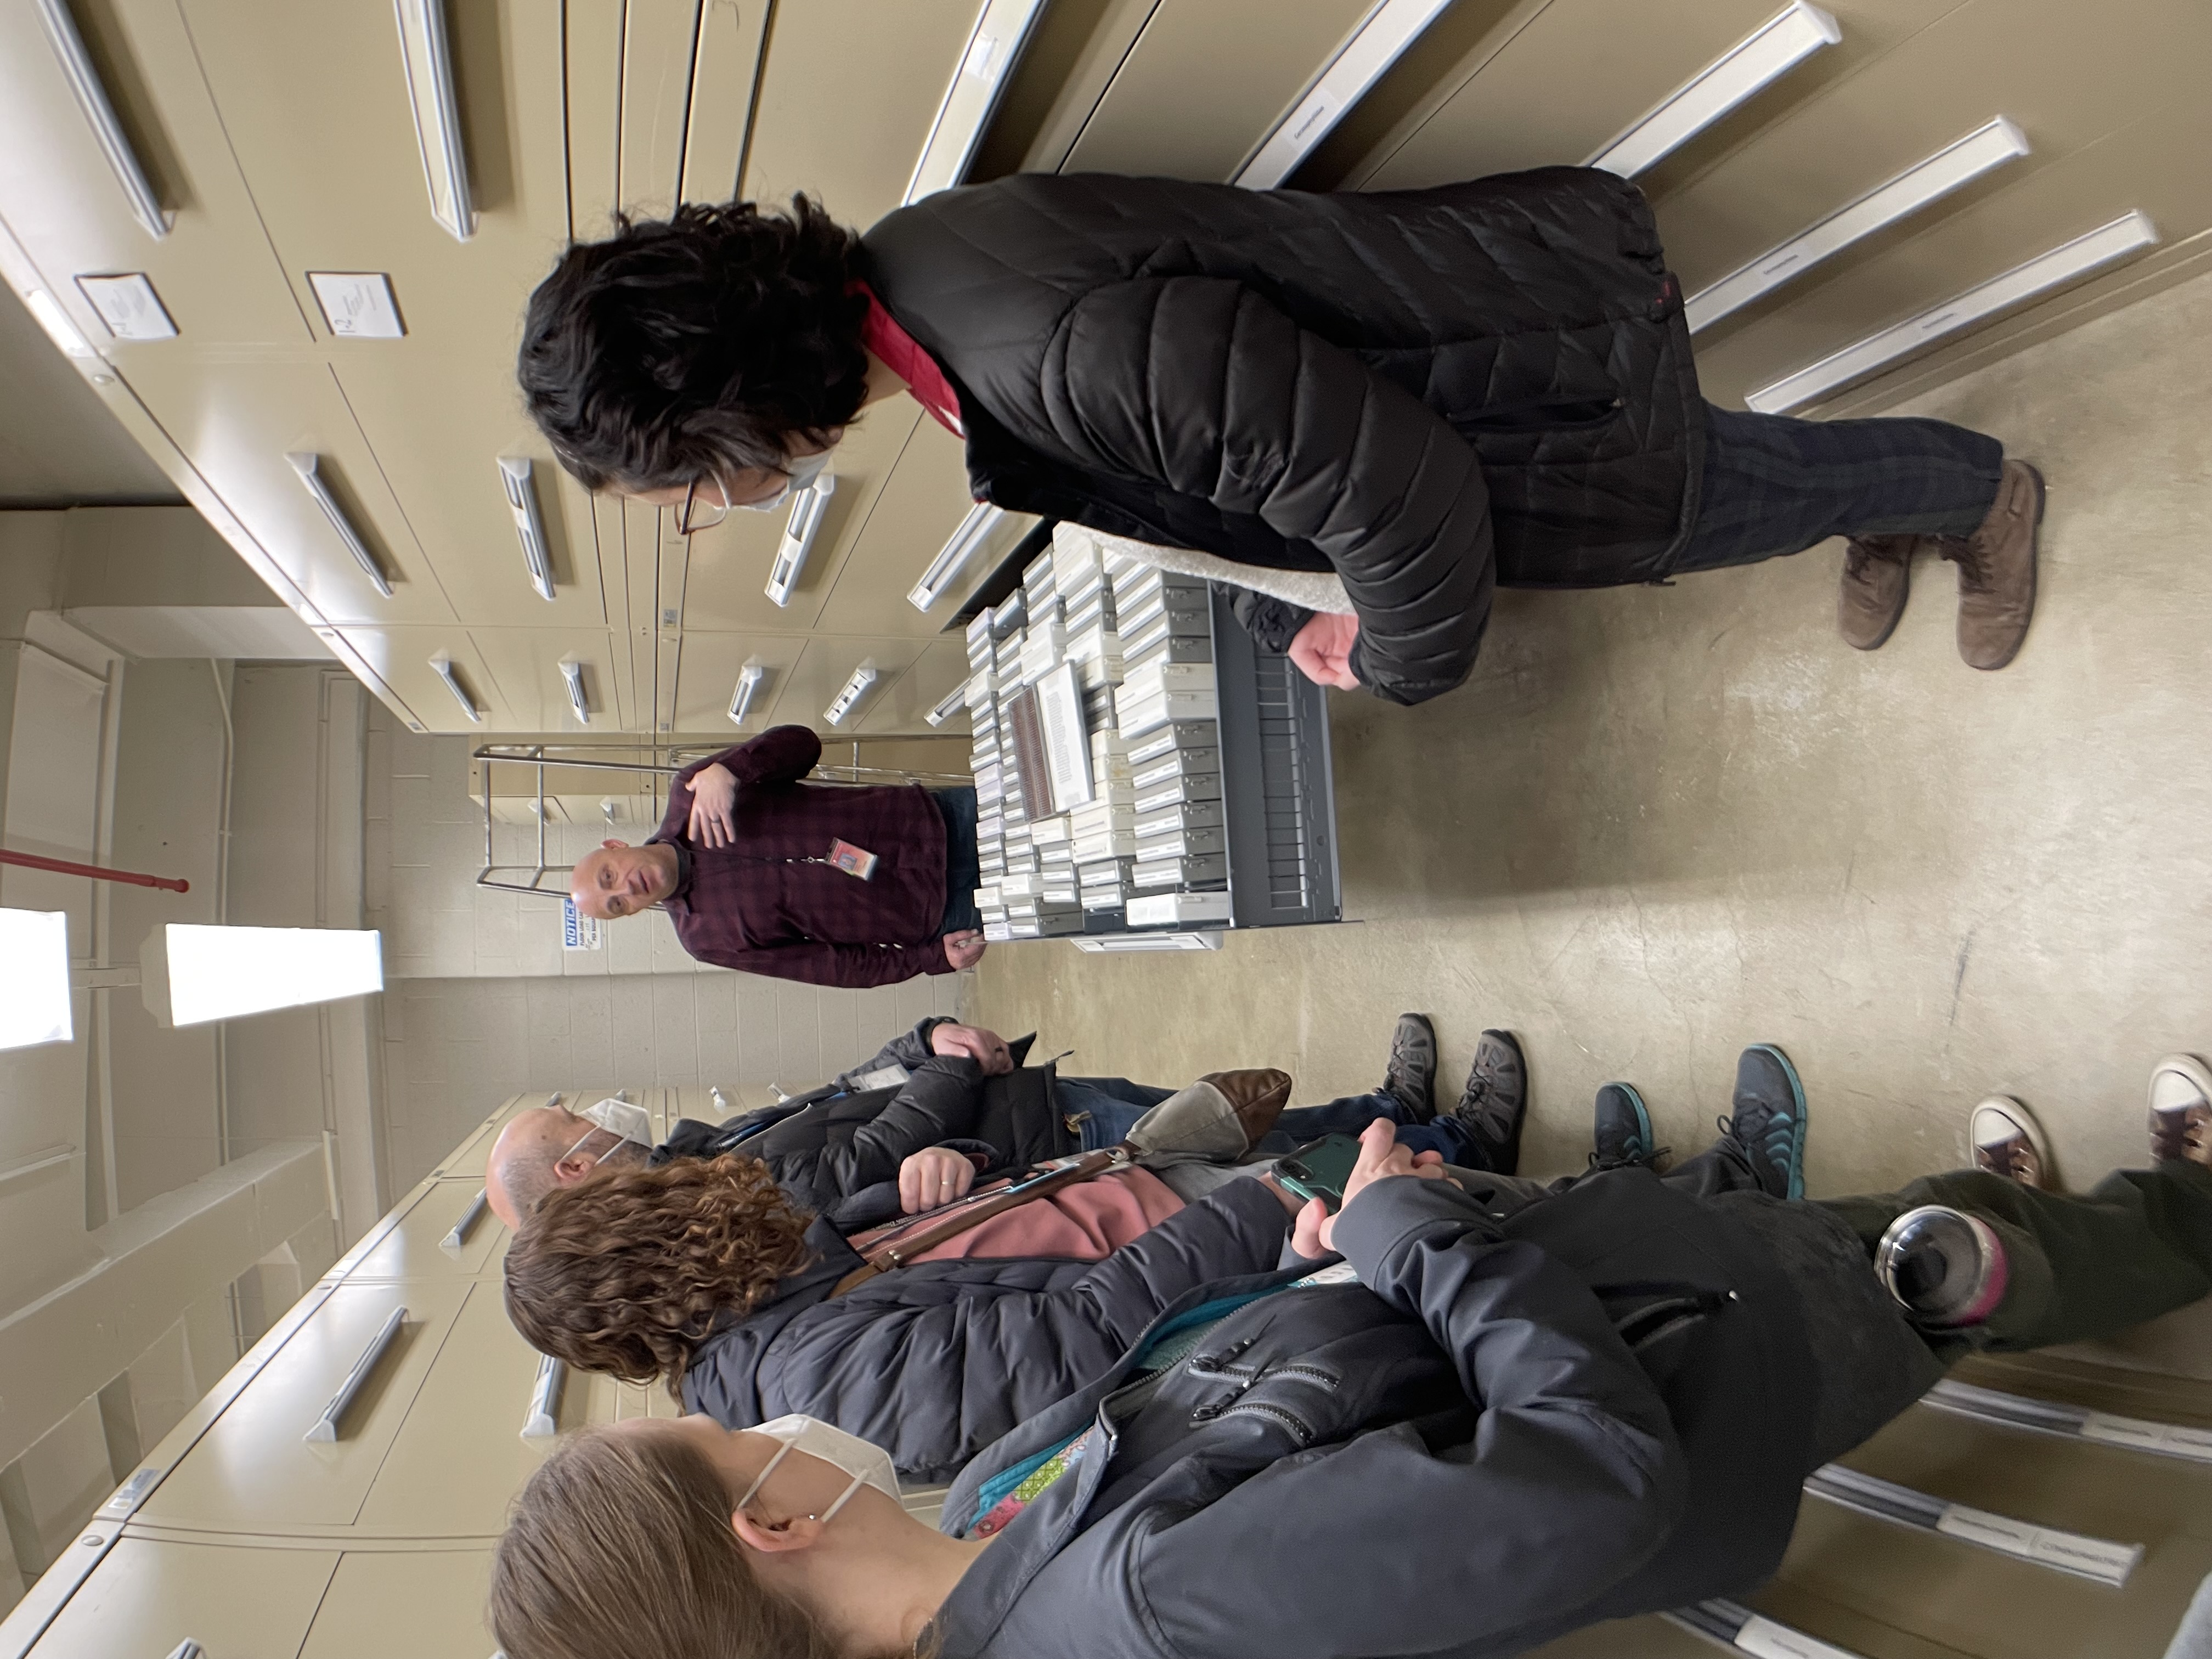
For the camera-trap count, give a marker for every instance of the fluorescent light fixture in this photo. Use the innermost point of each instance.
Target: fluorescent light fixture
(92, 98)
(192, 974)
(849, 699)
(442, 666)
(1118, 943)
(428, 60)
(1002, 29)
(1378, 42)
(529, 522)
(129, 306)
(310, 469)
(573, 672)
(2128, 233)
(949, 705)
(750, 676)
(944, 569)
(1989, 146)
(807, 506)
(1754, 63)
(34, 978)
(59, 329)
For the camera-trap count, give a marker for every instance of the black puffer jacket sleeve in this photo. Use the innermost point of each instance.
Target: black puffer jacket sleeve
(938, 1103)
(908, 1049)
(1200, 383)
(934, 1365)
(1271, 622)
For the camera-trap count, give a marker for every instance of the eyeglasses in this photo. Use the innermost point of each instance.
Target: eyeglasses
(695, 515)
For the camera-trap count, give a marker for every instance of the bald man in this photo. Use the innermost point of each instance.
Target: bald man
(831, 884)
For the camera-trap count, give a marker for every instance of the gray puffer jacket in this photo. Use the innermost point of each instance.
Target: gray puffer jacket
(1429, 392)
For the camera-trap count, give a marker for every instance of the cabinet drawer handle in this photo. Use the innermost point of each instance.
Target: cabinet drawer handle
(326, 1425)
(470, 1217)
(187, 1648)
(543, 1421)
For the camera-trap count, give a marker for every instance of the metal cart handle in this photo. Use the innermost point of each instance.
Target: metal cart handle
(467, 1224)
(326, 1425)
(543, 1421)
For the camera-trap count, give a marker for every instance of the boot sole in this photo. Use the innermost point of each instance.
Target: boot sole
(2034, 561)
(1797, 1099)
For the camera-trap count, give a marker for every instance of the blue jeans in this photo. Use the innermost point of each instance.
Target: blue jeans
(1104, 1108)
(963, 869)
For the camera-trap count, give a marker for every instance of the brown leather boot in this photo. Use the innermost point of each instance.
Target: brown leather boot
(1996, 570)
(1877, 577)
(1258, 1095)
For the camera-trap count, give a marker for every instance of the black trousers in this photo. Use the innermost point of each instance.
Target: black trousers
(1774, 485)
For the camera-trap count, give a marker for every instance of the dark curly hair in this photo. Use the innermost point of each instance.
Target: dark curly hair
(626, 1273)
(680, 349)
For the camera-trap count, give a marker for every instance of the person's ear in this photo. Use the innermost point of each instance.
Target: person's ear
(798, 1532)
(572, 1168)
(614, 843)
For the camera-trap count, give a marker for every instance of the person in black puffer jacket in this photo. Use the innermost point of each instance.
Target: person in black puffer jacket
(1429, 392)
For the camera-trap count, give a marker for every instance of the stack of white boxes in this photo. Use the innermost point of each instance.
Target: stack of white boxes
(1148, 848)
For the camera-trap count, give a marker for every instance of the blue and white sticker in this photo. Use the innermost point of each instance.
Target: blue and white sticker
(578, 931)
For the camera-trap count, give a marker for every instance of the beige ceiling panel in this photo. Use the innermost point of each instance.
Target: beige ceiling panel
(729, 567)
(921, 504)
(822, 671)
(236, 421)
(708, 680)
(658, 37)
(847, 94)
(400, 657)
(2135, 168)
(1574, 76)
(2068, 75)
(731, 35)
(594, 94)
(217, 275)
(525, 662)
(1206, 82)
(943, 665)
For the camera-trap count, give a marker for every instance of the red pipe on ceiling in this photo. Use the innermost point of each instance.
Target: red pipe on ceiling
(63, 867)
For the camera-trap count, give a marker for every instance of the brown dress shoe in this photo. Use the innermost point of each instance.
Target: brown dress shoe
(2181, 1109)
(1877, 577)
(2007, 1141)
(1996, 570)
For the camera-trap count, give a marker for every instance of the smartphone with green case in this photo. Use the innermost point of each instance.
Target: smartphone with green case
(1319, 1168)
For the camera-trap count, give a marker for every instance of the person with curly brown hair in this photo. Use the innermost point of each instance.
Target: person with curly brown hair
(1431, 393)
(705, 1275)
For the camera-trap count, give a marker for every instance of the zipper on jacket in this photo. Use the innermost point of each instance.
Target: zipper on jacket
(1541, 414)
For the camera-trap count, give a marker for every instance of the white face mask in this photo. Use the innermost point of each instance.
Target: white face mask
(869, 1464)
(621, 1119)
(801, 472)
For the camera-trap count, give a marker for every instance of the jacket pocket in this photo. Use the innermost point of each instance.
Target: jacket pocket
(1540, 415)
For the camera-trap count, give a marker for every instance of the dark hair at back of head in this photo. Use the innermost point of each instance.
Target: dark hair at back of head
(681, 348)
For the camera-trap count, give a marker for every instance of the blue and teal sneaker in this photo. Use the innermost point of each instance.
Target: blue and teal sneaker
(1768, 1129)
(1622, 1132)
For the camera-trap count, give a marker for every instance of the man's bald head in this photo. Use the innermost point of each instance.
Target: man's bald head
(620, 880)
(538, 1149)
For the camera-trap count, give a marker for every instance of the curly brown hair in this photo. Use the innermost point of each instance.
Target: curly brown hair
(628, 1273)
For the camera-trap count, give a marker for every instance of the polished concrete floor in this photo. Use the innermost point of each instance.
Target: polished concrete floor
(1660, 823)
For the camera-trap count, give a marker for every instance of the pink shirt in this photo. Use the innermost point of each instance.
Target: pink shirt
(1086, 1222)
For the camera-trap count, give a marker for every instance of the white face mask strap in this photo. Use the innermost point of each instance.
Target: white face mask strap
(830, 1514)
(782, 1451)
(603, 1156)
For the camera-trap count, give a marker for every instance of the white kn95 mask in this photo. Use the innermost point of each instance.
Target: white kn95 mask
(868, 1464)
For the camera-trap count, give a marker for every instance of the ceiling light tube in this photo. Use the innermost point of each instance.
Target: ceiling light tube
(310, 469)
(849, 698)
(84, 81)
(995, 44)
(59, 329)
(515, 472)
(191, 974)
(1956, 165)
(426, 57)
(807, 506)
(34, 978)
(750, 676)
(573, 672)
(983, 518)
(1379, 41)
(442, 666)
(1754, 63)
(2126, 235)
(949, 705)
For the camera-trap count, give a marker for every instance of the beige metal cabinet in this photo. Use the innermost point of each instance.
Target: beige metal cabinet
(942, 666)
(920, 505)
(254, 1470)
(416, 1248)
(526, 662)
(422, 1603)
(148, 1596)
(709, 680)
(822, 671)
(401, 658)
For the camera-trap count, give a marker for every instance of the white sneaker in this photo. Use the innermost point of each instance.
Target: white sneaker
(2004, 1139)
(2181, 1109)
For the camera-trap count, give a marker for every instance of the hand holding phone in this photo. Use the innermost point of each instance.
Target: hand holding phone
(1380, 1158)
(1319, 1169)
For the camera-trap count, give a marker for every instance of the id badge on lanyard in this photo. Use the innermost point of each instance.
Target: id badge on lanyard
(853, 861)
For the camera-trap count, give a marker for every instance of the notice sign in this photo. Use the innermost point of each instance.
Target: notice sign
(578, 931)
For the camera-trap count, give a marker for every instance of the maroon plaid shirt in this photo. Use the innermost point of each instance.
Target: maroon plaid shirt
(758, 907)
